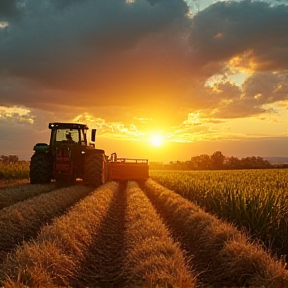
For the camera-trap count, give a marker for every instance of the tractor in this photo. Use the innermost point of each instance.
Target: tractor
(69, 157)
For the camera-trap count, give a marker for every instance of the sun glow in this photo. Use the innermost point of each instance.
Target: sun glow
(156, 140)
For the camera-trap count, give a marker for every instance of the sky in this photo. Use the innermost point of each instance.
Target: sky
(160, 79)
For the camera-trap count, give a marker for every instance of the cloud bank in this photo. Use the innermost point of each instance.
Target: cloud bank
(149, 57)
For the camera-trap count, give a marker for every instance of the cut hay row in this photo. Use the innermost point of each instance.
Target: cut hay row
(13, 194)
(23, 220)
(91, 247)
(102, 260)
(68, 251)
(151, 256)
(220, 253)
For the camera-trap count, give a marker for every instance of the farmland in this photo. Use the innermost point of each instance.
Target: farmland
(11, 173)
(142, 235)
(256, 200)
(14, 171)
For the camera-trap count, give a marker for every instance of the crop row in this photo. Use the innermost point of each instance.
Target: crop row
(62, 252)
(22, 220)
(254, 199)
(145, 236)
(13, 171)
(219, 252)
(149, 249)
(13, 194)
(110, 236)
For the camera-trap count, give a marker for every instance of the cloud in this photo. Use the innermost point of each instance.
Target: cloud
(228, 29)
(16, 114)
(92, 48)
(8, 9)
(147, 58)
(259, 90)
(266, 87)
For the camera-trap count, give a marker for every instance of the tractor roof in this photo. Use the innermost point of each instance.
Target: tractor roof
(58, 125)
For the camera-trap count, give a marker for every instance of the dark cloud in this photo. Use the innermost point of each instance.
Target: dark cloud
(8, 9)
(93, 48)
(62, 4)
(144, 55)
(266, 88)
(259, 89)
(228, 29)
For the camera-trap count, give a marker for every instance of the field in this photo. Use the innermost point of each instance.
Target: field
(14, 172)
(144, 235)
(256, 200)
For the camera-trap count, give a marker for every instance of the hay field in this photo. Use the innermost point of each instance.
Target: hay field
(139, 235)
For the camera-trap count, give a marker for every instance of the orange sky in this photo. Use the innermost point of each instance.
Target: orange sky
(202, 75)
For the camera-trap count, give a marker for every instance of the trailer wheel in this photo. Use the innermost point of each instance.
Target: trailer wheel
(94, 170)
(40, 169)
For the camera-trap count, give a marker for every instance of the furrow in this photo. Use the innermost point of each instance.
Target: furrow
(220, 253)
(102, 262)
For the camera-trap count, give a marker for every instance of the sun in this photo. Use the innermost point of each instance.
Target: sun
(156, 140)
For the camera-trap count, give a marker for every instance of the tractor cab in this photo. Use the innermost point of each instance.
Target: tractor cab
(69, 133)
(68, 143)
(68, 156)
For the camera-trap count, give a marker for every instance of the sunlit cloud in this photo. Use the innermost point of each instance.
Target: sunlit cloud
(16, 114)
(276, 113)
(111, 130)
(140, 68)
(3, 24)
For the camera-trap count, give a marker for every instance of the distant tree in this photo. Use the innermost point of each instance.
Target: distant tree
(205, 162)
(13, 158)
(232, 163)
(9, 159)
(201, 162)
(195, 162)
(254, 163)
(4, 159)
(217, 160)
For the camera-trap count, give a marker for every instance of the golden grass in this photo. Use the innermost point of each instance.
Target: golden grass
(256, 200)
(56, 257)
(115, 238)
(152, 258)
(12, 194)
(220, 253)
(23, 220)
(106, 240)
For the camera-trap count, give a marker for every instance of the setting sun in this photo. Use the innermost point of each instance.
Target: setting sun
(156, 140)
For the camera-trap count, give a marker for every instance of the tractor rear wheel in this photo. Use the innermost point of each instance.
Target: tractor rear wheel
(94, 170)
(40, 169)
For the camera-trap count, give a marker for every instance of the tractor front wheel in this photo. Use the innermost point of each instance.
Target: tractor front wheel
(40, 168)
(94, 170)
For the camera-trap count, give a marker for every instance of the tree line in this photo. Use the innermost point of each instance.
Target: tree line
(9, 159)
(216, 161)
